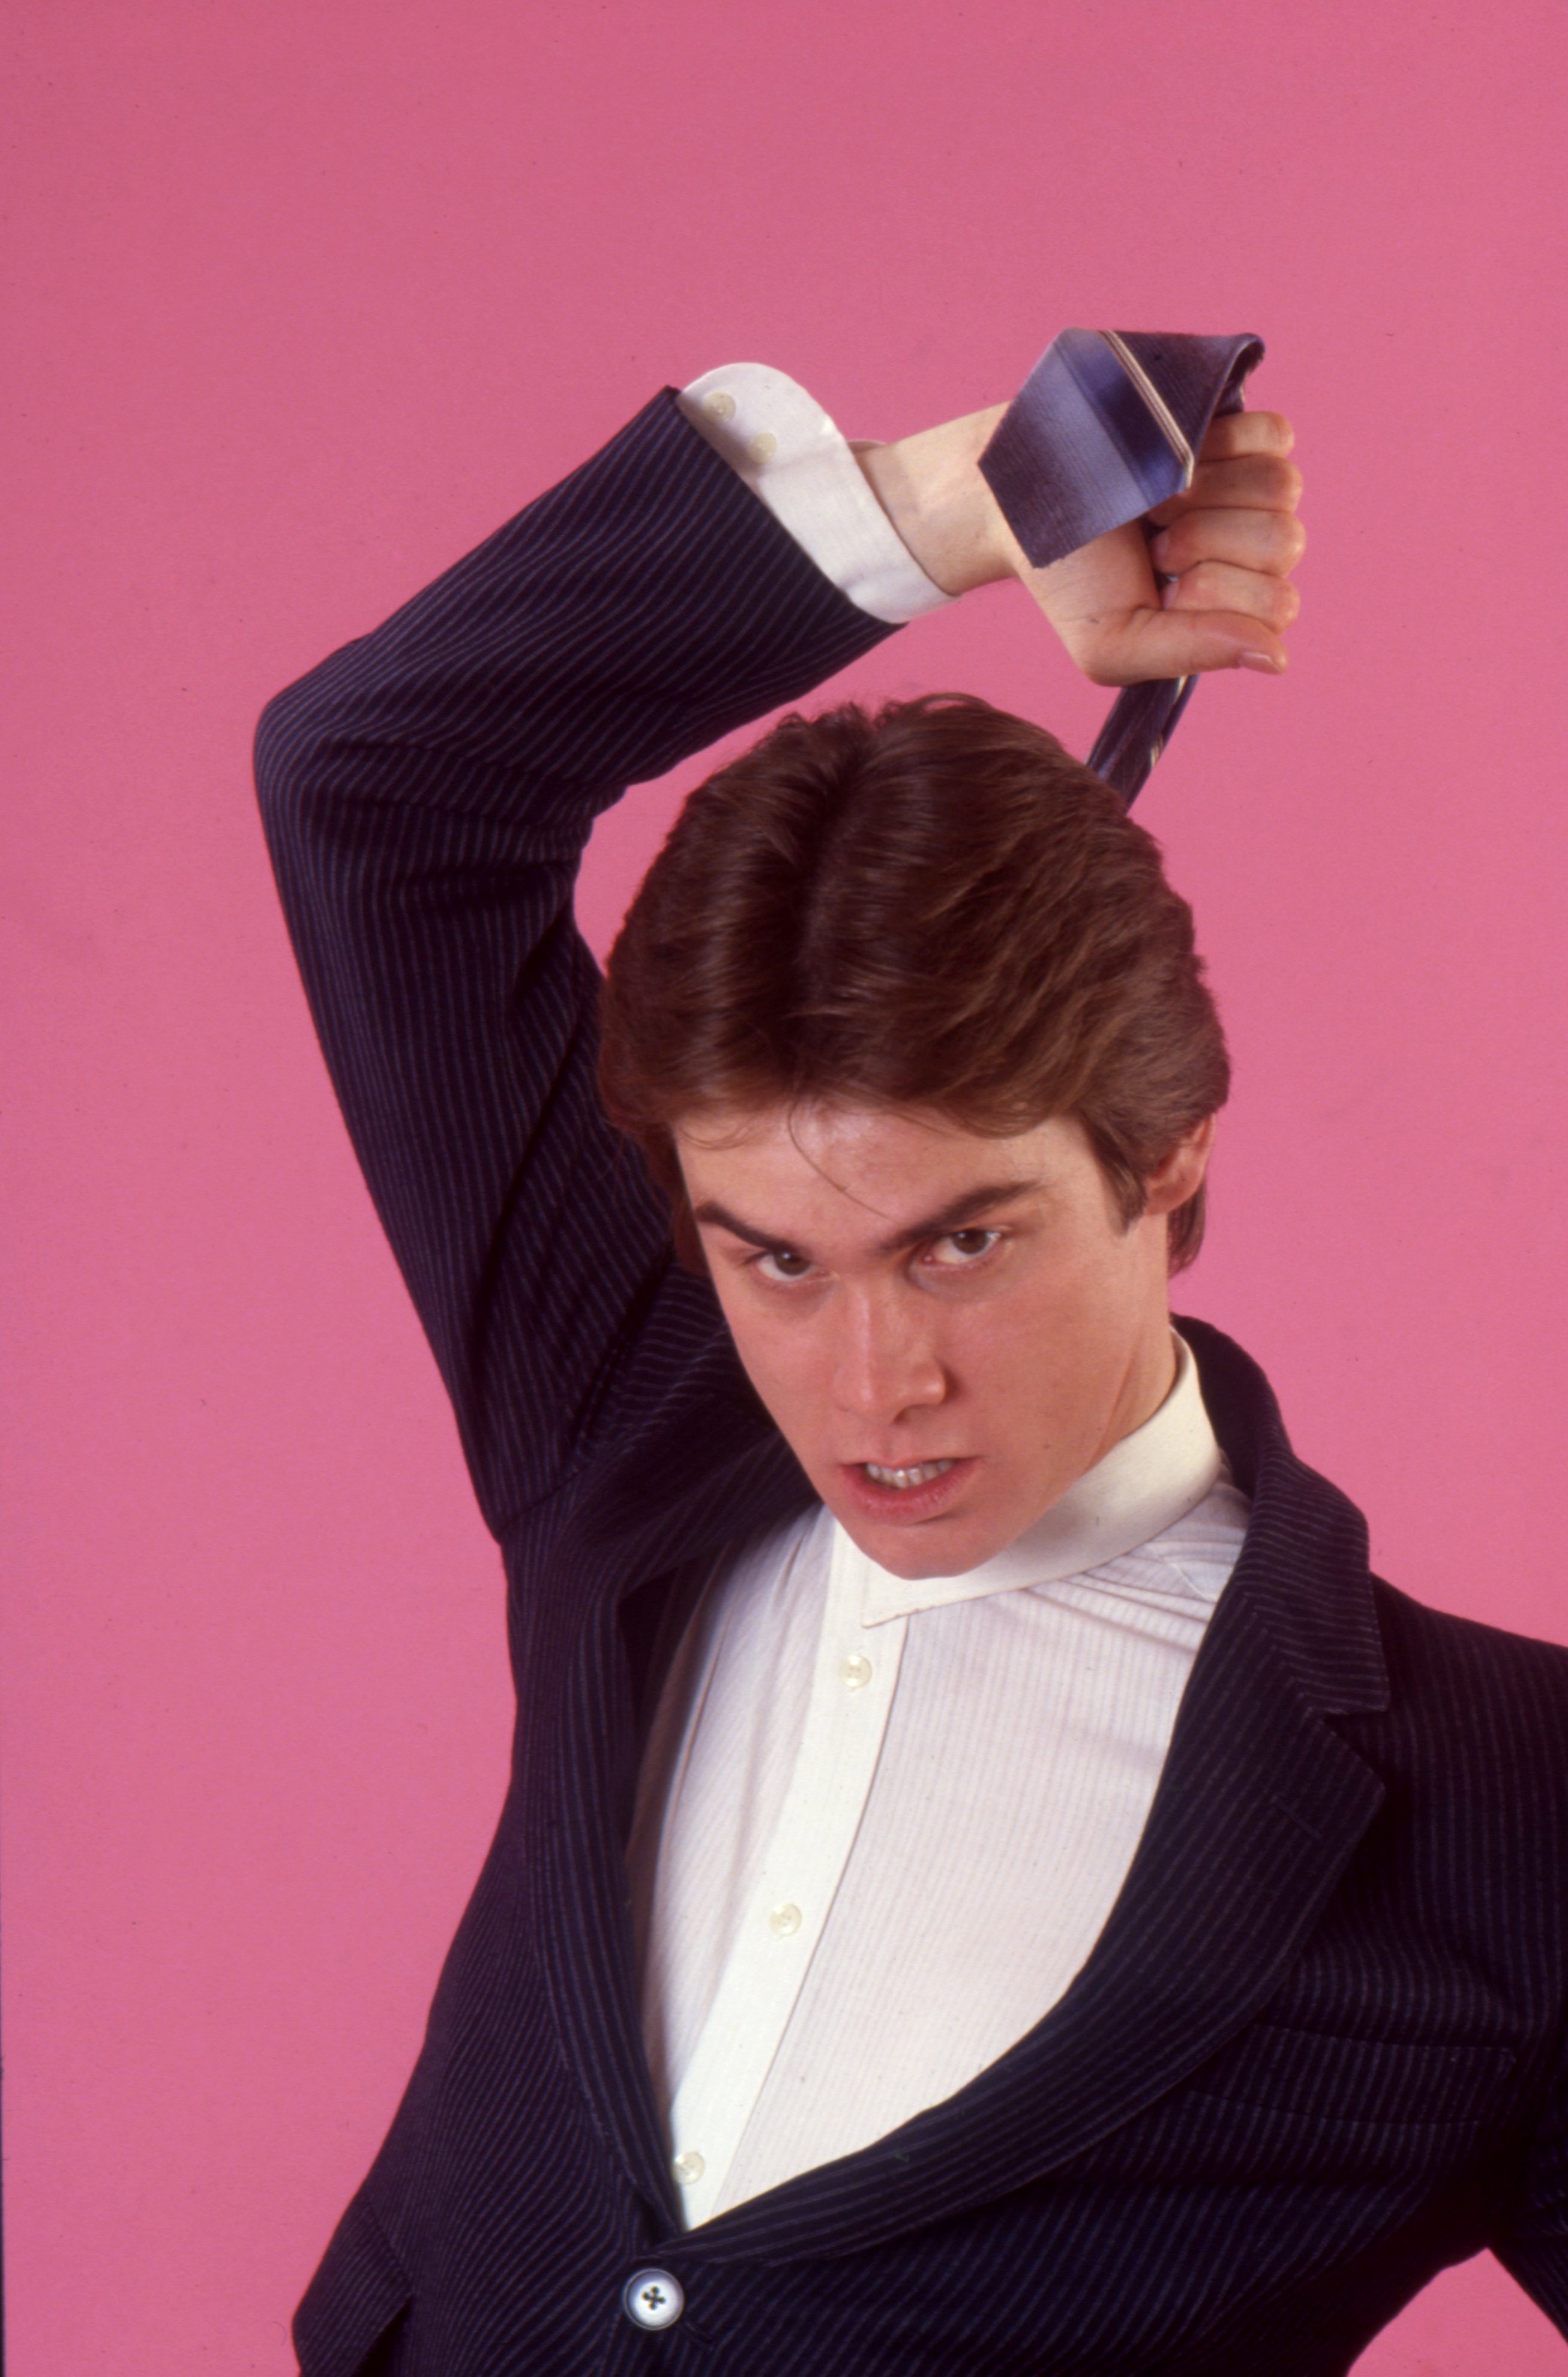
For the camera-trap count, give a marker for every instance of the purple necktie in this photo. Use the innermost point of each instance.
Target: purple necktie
(1108, 425)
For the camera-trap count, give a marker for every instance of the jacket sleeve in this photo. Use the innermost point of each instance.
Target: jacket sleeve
(1534, 2248)
(427, 793)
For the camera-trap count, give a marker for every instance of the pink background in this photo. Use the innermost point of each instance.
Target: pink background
(312, 297)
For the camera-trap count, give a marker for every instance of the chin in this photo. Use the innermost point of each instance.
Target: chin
(939, 1547)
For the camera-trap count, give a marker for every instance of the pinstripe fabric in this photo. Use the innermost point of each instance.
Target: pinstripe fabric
(1313, 2056)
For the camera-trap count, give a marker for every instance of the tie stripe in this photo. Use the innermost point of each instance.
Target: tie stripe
(1170, 427)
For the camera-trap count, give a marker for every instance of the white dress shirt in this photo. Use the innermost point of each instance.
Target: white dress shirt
(880, 1824)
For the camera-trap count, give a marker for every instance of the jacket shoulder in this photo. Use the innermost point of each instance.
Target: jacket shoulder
(1469, 1644)
(1500, 1696)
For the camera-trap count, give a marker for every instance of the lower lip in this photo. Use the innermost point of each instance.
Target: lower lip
(906, 1505)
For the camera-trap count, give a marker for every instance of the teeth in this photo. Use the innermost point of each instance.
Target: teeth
(902, 1478)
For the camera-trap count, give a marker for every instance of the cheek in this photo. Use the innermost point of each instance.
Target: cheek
(1055, 1333)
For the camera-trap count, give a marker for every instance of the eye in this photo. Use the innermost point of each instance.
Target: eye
(968, 1247)
(781, 1265)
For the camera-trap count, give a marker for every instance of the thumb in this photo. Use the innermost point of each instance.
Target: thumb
(1149, 643)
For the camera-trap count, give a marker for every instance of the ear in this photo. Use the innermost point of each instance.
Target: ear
(1180, 1174)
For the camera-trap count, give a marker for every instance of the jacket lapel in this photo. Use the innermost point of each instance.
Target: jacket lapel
(1259, 1808)
(669, 1535)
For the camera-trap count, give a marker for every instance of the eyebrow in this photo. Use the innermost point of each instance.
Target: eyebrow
(948, 1217)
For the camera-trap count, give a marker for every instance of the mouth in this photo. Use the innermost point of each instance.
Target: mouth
(904, 1478)
(922, 1490)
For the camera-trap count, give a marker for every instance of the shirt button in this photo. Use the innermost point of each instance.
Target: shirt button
(763, 448)
(652, 2298)
(689, 2167)
(856, 1671)
(719, 404)
(783, 1921)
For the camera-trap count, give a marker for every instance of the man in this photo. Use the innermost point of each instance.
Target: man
(988, 1882)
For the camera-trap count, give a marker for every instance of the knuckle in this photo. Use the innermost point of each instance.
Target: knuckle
(1281, 545)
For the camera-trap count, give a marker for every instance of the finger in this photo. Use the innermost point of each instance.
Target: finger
(1258, 482)
(1252, 540)
(1246, 432)
(1215, 586)
(1181, 643)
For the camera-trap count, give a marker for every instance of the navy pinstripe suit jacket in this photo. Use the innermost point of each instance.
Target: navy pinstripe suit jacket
(1315, 2054)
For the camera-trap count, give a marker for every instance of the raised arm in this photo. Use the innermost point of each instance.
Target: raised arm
(429, 789)
(427, 794)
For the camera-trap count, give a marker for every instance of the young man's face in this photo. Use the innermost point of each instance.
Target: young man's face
(909, 1296)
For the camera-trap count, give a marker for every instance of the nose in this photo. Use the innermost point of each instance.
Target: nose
(886, 1361)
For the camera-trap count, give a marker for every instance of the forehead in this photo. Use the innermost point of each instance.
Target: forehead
(862, 1170)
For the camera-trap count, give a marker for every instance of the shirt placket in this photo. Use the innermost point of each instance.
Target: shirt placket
(853, 1681)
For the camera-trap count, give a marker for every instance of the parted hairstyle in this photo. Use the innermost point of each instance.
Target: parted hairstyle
(928, 905)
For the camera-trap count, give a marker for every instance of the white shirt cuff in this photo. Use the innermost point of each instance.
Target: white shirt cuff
(794, 459)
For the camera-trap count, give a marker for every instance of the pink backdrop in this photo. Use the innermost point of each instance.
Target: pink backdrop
(312, 297)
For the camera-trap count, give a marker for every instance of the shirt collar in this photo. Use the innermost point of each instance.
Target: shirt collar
(1142, 1486)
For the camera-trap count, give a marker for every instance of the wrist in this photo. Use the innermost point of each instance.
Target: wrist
(931, 488)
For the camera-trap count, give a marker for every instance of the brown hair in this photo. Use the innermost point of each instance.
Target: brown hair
(931, 906)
